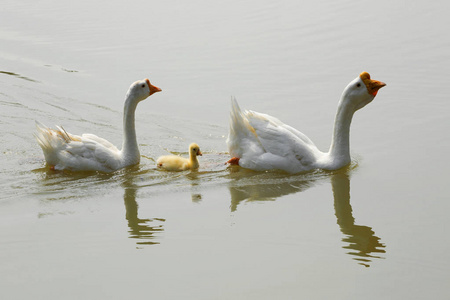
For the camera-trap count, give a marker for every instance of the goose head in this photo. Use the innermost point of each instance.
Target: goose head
(141, 89)
(194, 150)
(361, 91)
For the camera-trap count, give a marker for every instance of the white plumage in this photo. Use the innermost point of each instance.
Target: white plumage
(88, 152)
(261, 142)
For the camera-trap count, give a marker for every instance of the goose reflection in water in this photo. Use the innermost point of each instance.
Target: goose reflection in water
(140, 229)
(265, 189)
(360, 239)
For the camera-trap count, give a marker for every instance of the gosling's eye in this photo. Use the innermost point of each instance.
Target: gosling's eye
(143, 85)
(358, 85)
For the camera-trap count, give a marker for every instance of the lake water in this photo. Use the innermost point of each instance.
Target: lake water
(375, 230)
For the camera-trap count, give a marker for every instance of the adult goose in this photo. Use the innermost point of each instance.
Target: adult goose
(88, 152)
(261, 142)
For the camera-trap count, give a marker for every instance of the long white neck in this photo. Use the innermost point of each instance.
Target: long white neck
(130, 149)
(340, 144)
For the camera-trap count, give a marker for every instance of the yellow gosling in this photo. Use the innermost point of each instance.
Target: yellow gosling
(178, 163)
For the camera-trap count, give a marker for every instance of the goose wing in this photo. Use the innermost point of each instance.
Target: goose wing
(67, 151)
(91, 154)
(282, 140)
(263, 142)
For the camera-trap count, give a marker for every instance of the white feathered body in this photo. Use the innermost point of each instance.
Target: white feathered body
(260, 142)
(263, 142)
(87, 152)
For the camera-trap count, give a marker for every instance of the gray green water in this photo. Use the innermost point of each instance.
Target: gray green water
(376, 230)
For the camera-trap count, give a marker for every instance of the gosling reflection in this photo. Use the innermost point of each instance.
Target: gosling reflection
(140, 229)
(194, 177)
(361, 240)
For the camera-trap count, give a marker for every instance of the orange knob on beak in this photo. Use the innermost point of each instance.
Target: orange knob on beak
(153, 89)
(372, 85)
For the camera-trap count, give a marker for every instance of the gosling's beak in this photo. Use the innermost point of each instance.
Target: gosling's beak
(199, 153)
(153, 89)
(372, 85)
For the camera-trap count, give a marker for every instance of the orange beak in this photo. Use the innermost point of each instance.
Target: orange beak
(372, 85)
(153, 89)
(199, 153)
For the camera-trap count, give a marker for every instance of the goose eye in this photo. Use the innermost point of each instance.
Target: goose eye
(358, 85)
(143, 85)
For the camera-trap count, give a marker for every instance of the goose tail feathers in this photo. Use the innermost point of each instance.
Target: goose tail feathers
(51, 141)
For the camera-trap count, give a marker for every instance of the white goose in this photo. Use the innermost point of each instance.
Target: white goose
(261, 142)
(88, 152)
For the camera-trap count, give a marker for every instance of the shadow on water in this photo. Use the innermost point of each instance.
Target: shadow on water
(144, 230)
(361, 240)
(247, 185)
(60, 186)
(244, 185)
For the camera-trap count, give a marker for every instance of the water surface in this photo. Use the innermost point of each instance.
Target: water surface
(374, 230)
